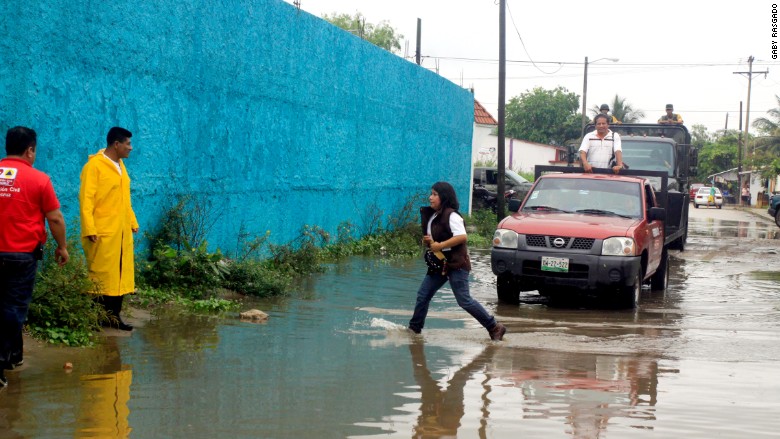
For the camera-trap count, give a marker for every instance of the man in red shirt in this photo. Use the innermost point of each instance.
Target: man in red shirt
(27, 199)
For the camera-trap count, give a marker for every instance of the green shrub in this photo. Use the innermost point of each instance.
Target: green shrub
(193, 272)
(484, 223)
(254, 278)
(302, 255)
(213, 305)
(62, 308)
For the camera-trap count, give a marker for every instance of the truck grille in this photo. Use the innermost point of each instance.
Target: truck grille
(545, 241)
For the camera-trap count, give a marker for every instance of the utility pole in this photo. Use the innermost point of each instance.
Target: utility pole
(584, 95)
(501, 202)
(419, 43)
(739, 155)
(749, 74)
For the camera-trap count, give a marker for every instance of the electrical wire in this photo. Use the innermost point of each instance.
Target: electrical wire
(512, 17)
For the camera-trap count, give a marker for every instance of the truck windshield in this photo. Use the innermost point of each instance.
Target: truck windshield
(650, 156)
(586, 196)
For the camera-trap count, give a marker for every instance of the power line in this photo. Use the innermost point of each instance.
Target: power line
(512, 17)
(579, 63)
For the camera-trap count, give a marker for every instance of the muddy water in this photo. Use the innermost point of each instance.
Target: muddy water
(699, 360)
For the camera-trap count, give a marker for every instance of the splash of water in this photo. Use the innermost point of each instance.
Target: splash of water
(386, 324)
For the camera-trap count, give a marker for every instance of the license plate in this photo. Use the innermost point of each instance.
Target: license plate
(555, 264)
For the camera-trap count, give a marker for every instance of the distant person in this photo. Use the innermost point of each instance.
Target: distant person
(108, 223)
(711, 197)
(745, 195)
(600, 147)
(604, 109)
(444, 236)
(27, 201)
(670, 118)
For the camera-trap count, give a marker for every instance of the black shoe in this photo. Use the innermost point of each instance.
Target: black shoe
(122, 326)
(16, 360)
(3, 379)
(416, 331)
(497, 333)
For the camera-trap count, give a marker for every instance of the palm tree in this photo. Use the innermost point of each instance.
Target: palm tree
(623, 111)
(770, 128)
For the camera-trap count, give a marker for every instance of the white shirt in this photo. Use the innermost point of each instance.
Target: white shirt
(118, 168)
(457, 226)
(599, 151)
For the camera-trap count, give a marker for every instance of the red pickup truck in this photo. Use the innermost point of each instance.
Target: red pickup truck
(596, 233)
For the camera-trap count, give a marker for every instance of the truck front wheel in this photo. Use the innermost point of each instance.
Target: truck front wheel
(629, 296)
(777, 216)
(508, 289)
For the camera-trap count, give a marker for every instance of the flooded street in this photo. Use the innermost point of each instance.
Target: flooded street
(700, 360)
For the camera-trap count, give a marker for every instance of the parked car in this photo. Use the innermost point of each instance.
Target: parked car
(703, 195)
(694, 188)
(485, 187)
(774, 207)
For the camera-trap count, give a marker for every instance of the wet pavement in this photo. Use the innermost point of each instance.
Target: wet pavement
(699, 360)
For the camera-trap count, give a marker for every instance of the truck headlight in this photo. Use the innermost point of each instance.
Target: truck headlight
(617, 247)
(505, 238)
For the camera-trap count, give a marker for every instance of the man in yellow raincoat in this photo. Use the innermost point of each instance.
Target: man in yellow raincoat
(108, 223)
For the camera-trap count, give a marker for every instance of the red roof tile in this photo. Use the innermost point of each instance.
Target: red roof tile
(481, 116)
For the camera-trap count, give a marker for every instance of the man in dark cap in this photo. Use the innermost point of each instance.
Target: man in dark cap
(604, 109)
(670, 118)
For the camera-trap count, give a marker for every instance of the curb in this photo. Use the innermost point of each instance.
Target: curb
(757, 211)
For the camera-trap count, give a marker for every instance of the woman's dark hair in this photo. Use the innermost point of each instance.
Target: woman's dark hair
(446, 195)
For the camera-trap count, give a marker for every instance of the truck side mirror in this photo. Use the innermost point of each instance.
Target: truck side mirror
(657, 213)
(514, 205)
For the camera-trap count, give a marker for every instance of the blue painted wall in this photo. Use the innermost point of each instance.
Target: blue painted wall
(274, 116)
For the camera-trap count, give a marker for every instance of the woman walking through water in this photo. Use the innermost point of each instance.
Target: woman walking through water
(444, 236)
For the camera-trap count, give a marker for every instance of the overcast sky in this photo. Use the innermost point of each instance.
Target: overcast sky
(683, 52)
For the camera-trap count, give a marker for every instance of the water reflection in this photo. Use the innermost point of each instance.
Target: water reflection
(443, 406)
(103, 411)
(736, 229)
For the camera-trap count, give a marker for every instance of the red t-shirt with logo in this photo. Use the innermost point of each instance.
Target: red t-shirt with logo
(26, 194)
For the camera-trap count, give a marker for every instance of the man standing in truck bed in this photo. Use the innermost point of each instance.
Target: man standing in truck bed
(599, 147)
(670, 118)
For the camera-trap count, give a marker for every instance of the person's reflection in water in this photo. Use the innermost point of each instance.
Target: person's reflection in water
(442, 409)
(104, 410)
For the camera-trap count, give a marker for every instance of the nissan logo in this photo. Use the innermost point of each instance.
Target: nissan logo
(559, 242)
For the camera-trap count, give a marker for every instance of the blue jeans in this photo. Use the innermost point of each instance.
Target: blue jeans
(17, 278)
(459, 282)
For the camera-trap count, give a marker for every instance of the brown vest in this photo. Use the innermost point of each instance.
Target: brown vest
(458, 256)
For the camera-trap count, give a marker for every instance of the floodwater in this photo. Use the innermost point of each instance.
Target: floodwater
(697, 361)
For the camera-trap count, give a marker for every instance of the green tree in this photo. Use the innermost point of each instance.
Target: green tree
(544, 116)
(622, 110)
(382, 34)
(769, 129)
(700, 136)
(719, 155)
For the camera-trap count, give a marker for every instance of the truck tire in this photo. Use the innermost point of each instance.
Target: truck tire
(660, 279)
(508, 289)
(679, 243)
(777, 217)
(629, 296)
